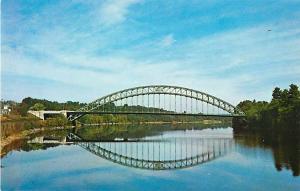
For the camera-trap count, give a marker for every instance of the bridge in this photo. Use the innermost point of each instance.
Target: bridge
(158, 100)
(153, 100)
(163, 154)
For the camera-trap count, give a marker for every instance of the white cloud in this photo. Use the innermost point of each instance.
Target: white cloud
(203, 63)
(115, 11)
(168, 40)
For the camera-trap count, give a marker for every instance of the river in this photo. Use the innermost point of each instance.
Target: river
(153, 157)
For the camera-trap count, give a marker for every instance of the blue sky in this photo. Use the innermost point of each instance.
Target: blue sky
(81, 50)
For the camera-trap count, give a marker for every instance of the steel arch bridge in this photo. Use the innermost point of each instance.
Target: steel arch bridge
(159, 100)
(136, 154)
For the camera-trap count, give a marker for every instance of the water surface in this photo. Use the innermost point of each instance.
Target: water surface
(152, 158)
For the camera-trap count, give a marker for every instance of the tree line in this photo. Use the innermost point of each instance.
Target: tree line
(43, 104)
(282, 112)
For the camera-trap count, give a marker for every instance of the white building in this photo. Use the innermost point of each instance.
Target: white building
(5, 110)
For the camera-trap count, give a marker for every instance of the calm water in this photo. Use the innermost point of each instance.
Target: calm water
(152, 158)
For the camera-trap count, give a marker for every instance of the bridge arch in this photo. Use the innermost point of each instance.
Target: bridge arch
(150, 164)
(158, 90)
(190, 152)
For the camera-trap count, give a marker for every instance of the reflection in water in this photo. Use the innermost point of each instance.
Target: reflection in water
(45, 140)
(160, 153)
(136, 131)
(240, 162)
(285, 147)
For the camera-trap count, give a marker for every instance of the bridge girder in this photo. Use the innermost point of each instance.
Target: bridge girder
(156, 90)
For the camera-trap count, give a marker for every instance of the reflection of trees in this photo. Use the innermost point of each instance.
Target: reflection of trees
(285, 147)
(134, 131)
(102, 133)
(15, 145)
(37, 146)
(21, 144)
(286, 152)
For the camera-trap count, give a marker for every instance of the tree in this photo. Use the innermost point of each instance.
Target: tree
(37, 107)
(276, 93)
(293, 91)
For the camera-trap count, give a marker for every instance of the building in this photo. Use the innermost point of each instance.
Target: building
(5, 109)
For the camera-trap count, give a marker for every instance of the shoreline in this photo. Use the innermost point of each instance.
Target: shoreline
(205, 122)
(24, 134)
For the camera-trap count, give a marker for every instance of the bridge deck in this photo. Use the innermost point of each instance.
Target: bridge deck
(151, 113)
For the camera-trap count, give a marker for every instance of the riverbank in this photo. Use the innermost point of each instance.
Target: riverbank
(18, 130)
(155, 122)
(25, 134)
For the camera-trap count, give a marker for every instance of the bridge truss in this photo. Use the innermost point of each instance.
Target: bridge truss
(159, 155)
(161, 100)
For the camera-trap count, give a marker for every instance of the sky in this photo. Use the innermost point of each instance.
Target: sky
(81, 50)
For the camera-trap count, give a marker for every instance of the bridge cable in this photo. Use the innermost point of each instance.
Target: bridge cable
(142, 103)
(153, 101)
(186, 147)
(159, 151)
(175, 104)
(191, 103)
(137, 104)
(153, 150)
(181, 104)
(164, 102)
(148, 104)
(207, 107)
(175, 149)
(186, 104)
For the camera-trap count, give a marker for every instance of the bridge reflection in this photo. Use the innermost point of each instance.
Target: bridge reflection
(159, 153)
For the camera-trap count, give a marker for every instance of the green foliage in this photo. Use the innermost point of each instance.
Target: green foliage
(30, 103)
(283, 111)
(56, 122)
(37, 107)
